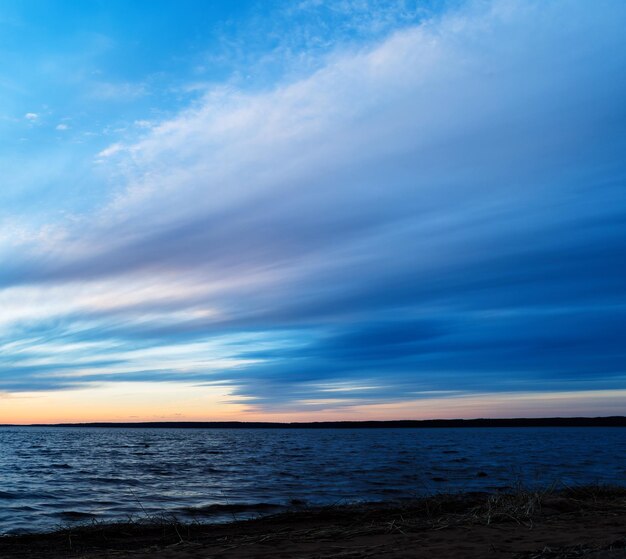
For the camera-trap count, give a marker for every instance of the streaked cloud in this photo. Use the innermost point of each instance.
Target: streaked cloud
(111, 150)
(436, 213)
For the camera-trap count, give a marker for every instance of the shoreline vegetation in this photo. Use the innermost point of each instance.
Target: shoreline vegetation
(568, 523)
(612, 421)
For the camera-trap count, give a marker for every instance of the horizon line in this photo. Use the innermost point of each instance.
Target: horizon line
(557, 421)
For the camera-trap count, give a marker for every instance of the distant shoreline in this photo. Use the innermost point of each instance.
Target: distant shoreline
(613, 421)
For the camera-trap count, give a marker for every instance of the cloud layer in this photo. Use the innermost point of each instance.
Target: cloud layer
(442, 212)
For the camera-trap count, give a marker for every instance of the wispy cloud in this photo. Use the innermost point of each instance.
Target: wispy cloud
(440, 211)
(111, 150)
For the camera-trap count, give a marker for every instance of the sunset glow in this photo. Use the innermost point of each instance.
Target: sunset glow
(328, 211)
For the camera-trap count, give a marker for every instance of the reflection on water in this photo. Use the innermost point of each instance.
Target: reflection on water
(54, 476)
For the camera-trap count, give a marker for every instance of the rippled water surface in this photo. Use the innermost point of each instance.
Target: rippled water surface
(54, 476)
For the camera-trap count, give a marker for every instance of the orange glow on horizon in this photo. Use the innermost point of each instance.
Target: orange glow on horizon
(138, 402)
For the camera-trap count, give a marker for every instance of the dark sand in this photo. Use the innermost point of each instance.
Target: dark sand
(582, 522)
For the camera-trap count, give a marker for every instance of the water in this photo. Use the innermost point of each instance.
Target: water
(51, 477)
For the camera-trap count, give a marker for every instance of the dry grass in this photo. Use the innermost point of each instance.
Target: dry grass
(440, 512)
(616, 549)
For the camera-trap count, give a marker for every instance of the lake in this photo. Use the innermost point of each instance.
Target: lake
(51, 477)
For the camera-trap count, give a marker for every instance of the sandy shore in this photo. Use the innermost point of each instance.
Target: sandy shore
(582, 522)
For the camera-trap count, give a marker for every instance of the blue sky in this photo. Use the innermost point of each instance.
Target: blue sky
(312, 209)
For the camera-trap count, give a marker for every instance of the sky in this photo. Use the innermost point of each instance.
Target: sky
(283, 210)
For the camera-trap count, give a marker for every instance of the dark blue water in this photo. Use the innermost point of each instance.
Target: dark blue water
(51, 477)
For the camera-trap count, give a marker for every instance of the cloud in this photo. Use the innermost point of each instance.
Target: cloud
(111, 150)
(32, 117)
(439, 212)
(61, 127)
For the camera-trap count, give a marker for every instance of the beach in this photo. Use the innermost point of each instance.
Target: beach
(585, 522)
